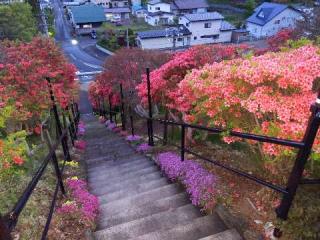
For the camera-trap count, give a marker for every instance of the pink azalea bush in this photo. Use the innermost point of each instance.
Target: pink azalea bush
(199, 183)
(84, 202)
(133, 138)
(269, 94)
(80, 144)
(143, 148)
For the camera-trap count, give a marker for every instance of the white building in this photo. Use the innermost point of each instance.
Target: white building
(207, 28)
(169, 38)
(270, 18)
(117, 14)
(159, 13)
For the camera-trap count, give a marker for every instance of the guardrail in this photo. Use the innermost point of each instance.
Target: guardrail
(295, 178)
(9, 221)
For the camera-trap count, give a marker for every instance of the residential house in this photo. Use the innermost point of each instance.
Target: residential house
(159, 13)
(270, 18)
(10, 1)
(180, 7)
(207, 28)
(117, 14)
(169, 38)
(85, 18)
(103, 3)
(139, 11)
(118, 3)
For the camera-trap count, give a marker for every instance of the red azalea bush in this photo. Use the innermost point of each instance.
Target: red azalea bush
(164, 80)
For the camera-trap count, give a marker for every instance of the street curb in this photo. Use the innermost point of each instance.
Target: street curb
(102, 49)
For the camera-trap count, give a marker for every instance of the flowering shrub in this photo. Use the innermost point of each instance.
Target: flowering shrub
(116, 129)
(123, 133)
(80, 144)
(268, 94)
(83, 204)
(165, 79)
(81, 128)
(143, 148)
(200, 184)
(133, 138)
(13, 154)
(111, 125)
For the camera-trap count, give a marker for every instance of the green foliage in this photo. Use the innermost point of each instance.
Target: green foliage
(250, 6)
(17, 22)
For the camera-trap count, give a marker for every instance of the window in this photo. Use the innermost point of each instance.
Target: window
(126, 3)
(158, 8)
(207, 25)
(277, 22)
(194, 38)
(180, 39)
(187, 24)
(150, 8)
(261, 14)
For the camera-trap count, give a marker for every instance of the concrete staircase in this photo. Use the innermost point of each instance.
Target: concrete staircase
(136, 201)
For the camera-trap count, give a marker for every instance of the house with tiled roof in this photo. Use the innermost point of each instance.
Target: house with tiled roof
(87, 17)
(179, 7)
(270, 18)
(207, 28)
(159, 13)
(167, 38)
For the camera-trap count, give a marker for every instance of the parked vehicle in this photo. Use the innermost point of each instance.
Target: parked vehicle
(93, 34)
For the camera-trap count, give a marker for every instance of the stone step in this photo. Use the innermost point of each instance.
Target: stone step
(139, 200)
(126, 184)
(122, 169)
(230, 234)
(107, 162)
(134, 190)
(162, 220)
(196, 229)
(161, 205)
(104, 181)
(96, 160)
(102, 175)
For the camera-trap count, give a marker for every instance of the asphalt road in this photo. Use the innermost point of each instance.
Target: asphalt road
(77, 54)
(80, 58)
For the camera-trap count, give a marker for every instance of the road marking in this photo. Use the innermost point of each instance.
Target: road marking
(92, 65)
(71, 55)
(87, 73)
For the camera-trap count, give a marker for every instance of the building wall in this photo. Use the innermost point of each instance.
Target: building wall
(104, 3)
(162, 43)
(155, 20)
(286, 19)
(198, 31)
(164, 7)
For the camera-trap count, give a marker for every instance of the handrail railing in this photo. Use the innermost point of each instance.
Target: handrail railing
(9, 221)
(295, 179)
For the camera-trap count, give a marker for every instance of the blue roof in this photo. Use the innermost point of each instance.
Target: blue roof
(266, 12)
(88, 13)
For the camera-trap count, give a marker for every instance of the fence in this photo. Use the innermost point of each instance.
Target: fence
(295, 178)
(9, 221)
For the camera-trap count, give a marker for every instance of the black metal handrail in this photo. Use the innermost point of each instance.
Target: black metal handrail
(295, 178)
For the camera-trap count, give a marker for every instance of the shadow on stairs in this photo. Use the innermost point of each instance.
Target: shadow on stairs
(136, 201)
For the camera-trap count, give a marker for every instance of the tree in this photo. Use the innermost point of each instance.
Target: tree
(17, 22)
(309, 26)
(250, 6)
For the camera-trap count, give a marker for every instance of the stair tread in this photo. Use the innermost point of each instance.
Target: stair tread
(230, 234)
(162, 220)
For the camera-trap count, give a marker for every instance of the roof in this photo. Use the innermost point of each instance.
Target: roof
(190, 4)
(266, 12)
(88, 13)
(196, 17)
(226, 26)
(161, 33)
(159, 13)
(117, 10)
(153, 2)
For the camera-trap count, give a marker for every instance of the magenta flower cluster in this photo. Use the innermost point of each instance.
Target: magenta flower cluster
(80, 144)
(110, 125)
(143, 148)
(87, 203)
(199, 183)
(133, 138)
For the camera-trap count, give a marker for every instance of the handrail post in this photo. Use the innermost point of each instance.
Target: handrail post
(165, 127)
(183, 134)
(123, 117)
(59, 127)
(150, 120)
(110, 108)
(4, 230)
(301, 159)
(55, 162)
